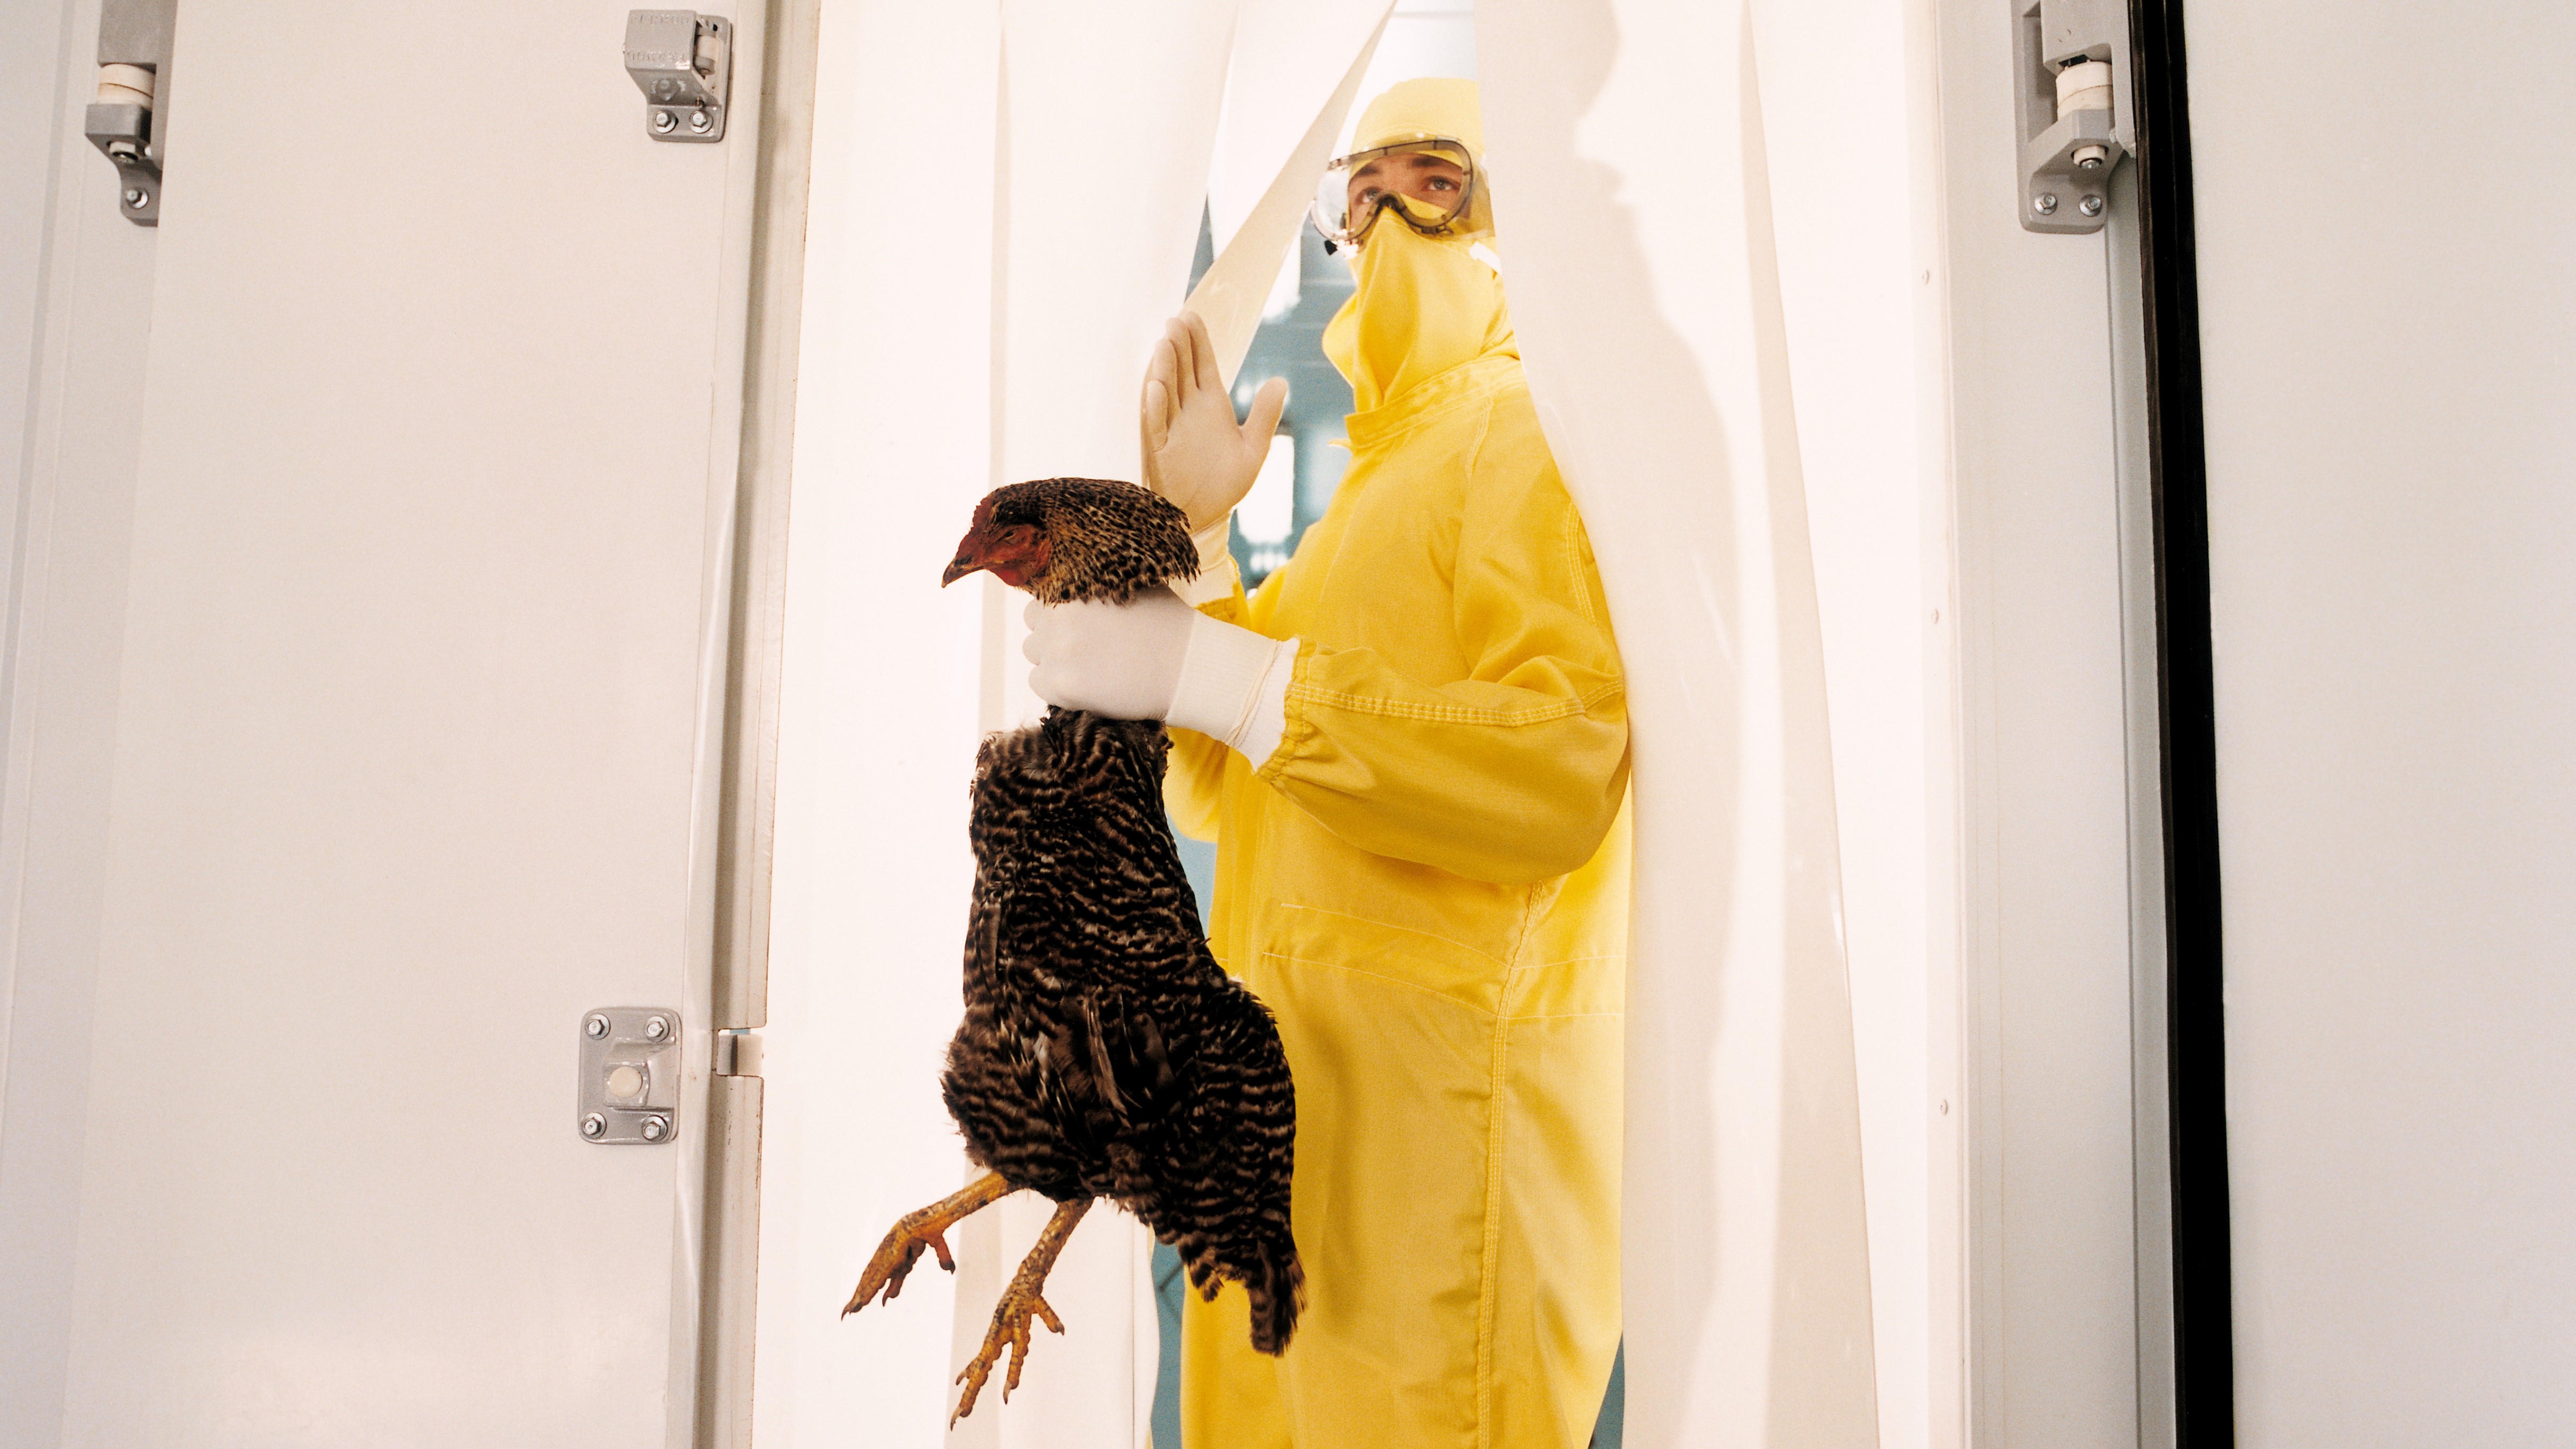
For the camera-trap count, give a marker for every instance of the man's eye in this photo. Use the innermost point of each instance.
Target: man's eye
(1443, 183)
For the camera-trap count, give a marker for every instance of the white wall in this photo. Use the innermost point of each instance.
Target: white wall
(2389, 328)
(75, 305)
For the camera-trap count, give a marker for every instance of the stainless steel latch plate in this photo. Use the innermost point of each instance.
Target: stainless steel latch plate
(682, 62)
(630, 1075)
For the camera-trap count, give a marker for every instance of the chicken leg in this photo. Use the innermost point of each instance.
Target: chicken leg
(914, 1231)
(1019, 1301)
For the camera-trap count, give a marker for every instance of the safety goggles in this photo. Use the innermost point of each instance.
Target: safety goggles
(1428, 184)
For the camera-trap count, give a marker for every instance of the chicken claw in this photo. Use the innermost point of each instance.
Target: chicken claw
(916, 1231)
(1010, 1330)
(1021, 1301)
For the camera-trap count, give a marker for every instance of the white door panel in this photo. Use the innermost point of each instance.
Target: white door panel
(2388, 338)
(436, 420)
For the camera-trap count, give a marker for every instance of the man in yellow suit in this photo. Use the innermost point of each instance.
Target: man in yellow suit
(1411, 749)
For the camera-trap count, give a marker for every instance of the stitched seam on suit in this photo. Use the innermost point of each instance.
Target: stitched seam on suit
(1578, 960)
(1476, 449)
(1386, 926)
(1523, 934)
(1383, 442)
(1293, 740)
(1430, 991)
(1457, 713)
(1529, 971)
(1461, 393)
(1433, 991)
(1574, 567)
(1491, 1261)
(1475, 454)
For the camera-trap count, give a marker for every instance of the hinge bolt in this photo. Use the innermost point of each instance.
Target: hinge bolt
(700, 120)
(596, 1026)
(134, 198)
(665, 122)
(2045, 203)
(655, 1128)
(593, 1124)
(657, 1028)
(2090, 206)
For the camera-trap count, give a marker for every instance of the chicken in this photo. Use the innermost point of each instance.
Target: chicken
(1104, 1054)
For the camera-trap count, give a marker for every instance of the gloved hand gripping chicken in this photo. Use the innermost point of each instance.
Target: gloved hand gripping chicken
(1104, 1054)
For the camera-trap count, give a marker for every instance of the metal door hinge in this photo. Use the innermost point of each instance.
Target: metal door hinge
(681, 61)
(2071, 101)
(737, 1053)
(630, 1075)
(133, 80)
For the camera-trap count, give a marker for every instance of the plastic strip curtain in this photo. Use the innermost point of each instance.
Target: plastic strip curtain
(879, 716)
(989, 261)
(1107, 119)
(1106, 142)
(1632, 198)
(1295, 78)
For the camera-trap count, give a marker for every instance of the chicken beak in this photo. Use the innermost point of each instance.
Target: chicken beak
(970, 558)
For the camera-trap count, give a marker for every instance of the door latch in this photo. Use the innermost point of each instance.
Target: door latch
(133, 79)
(2071, 101)
(681, 61)
(630, 1075)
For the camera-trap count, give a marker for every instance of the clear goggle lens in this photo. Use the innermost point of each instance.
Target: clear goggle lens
(1428, 184)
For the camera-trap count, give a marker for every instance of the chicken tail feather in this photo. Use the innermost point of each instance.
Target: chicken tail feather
(1276, 1284)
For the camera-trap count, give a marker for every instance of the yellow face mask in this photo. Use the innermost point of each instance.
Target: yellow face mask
(1424, 305)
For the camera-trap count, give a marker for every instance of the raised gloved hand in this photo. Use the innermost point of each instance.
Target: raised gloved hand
(1158, 658)
(1194, 452)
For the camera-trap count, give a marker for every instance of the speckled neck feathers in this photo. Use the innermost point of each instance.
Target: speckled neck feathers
(1107, 540)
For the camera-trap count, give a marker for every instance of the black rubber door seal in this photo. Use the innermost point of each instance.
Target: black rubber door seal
(2204, 1338)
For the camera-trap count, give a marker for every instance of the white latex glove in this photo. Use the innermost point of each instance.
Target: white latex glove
(1158, 658)
(1195, 454)
(1119, 660)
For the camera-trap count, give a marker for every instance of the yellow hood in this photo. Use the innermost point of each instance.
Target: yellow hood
(1417, 110)
(1424, 305)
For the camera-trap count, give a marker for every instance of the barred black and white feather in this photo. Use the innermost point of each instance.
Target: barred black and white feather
(1104, 1053)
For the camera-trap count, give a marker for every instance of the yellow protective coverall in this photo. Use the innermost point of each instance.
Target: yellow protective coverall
(1428, 884)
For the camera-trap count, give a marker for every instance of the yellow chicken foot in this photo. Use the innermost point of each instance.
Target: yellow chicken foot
(914, 1231)
(1019, 1301)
